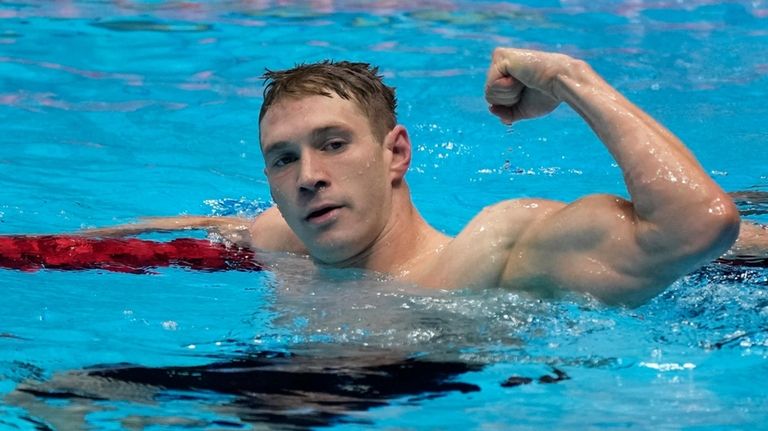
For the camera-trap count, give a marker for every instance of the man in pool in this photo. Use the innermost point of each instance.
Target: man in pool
(336, 161)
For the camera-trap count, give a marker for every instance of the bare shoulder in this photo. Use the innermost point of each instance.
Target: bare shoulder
(508, 219)
(269, 231)
(478, 256)
(539, 245)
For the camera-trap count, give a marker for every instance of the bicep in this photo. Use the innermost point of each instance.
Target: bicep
(597, 245)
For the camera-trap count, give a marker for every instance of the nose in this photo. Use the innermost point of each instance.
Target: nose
(312, 173)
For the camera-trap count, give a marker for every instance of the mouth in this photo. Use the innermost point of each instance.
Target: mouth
(322, 214)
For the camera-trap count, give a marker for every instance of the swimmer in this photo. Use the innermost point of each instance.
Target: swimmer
(336, 161)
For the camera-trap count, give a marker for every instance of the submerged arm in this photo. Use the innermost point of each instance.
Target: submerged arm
(751, 243)
(753, 237)
(620, 251)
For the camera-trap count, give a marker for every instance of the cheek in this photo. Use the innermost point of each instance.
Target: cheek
(280, 198)
(283, 204)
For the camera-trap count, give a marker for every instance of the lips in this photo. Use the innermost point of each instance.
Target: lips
(322, 213)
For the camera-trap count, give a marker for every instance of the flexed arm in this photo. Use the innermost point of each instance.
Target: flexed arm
(623, 252)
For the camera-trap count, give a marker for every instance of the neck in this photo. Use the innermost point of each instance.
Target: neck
(405, 237)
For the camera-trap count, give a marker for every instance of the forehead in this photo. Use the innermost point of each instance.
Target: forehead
(288, 119)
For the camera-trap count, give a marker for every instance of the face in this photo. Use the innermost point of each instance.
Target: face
(328, 175)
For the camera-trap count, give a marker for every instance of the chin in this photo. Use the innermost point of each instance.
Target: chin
(332, 255)
(332, 251)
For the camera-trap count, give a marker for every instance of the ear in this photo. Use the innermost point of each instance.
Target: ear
(398, 143)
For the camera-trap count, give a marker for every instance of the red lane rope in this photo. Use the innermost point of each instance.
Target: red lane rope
(71, 252)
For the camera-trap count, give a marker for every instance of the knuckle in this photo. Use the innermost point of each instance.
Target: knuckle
(500, 52)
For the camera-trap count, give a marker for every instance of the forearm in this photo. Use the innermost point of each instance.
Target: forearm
(170, 224)
(751, 243)
(667, 185)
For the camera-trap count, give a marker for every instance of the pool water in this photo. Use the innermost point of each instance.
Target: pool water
(114, 110)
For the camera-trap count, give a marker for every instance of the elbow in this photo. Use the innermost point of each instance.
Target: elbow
(717, 228)
(726, 223)
(732, 234)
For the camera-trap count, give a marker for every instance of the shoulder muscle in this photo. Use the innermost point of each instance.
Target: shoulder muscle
(478, 255)
(269, 231)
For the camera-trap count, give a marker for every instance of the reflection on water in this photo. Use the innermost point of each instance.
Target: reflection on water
(751, 202)
(144, 25)
(298, 390)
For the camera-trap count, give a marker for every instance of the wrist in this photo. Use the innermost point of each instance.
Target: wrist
(574, 77)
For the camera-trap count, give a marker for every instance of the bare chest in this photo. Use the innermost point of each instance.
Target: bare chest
(460, 264)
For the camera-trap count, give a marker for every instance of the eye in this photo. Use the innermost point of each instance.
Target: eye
(284, 160)
(334, 145)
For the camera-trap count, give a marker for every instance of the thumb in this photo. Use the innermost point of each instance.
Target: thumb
(503, 90)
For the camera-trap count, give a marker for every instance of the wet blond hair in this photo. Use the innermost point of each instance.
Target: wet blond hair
(358, 82)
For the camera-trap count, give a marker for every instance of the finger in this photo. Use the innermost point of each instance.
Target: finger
(527, 66)
(504, 91)
(494, 73)
(503, 63)
(507, 114)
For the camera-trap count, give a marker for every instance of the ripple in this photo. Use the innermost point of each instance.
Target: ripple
(155, 26)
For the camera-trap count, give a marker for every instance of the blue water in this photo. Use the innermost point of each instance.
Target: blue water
(114, 110)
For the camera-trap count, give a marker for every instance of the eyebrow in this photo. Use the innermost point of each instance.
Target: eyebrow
(277, 146)
(314, 135)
